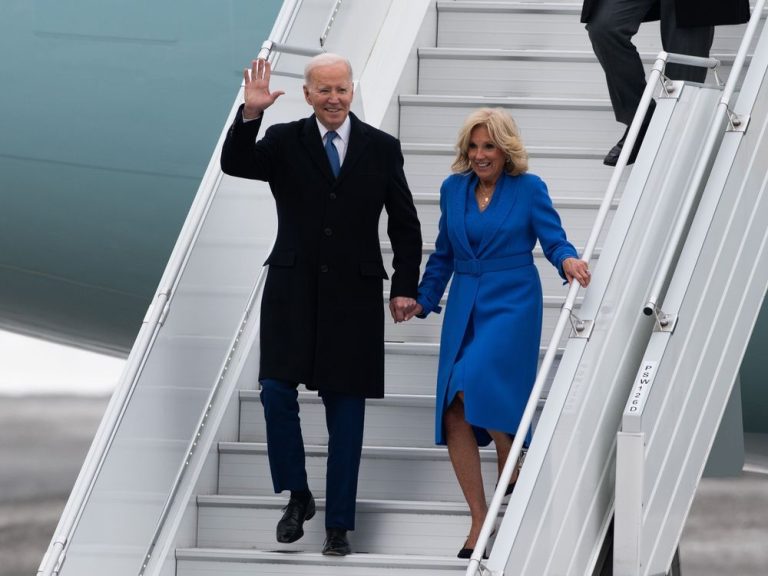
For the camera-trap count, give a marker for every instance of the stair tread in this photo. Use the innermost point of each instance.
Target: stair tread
(363, 505)
(508, 6)
(533, 151)
(446, 52)
(357, 559)
(412, 453)
(517, 101)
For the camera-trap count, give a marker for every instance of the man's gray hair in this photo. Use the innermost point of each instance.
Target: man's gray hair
(325, 59)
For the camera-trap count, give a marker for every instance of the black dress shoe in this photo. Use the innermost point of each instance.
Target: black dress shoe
(300, 508)
(336, 543)
(510, 488)
(612, 158)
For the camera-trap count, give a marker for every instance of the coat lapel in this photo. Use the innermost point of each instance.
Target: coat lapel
(358, 141)
(310, 139)
(457, 206)
(505, 197)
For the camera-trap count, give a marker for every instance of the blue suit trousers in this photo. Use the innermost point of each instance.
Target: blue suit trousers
(344, 418)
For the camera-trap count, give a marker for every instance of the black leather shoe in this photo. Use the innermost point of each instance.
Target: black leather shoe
(299, 509)
(612, 158)
(336, 543)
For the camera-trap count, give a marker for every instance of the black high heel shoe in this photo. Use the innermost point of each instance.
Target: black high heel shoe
(466, 553)
(510, 488)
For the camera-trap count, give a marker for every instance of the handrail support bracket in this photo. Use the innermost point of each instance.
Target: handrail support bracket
(580, 328)
(737, 122)
(664, 322)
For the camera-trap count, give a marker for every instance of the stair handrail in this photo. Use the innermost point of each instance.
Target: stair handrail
(567, 317)
(693, 193)
(233, 360)
(153, 321)
(124, 390)
(269, 48)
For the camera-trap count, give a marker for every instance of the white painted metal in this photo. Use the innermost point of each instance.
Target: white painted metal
(386, 473)
(381, 526)
(572, 175)
(716, 292)
(527, 73)
(215, 562)
(564, 138)
(548, 122)
(560, 511)
(157, 389)
(542, 26)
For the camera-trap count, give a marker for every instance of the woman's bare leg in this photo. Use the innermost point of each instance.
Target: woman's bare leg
(503, 442)
(465, 457)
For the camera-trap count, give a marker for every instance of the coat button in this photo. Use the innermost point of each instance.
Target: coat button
(328, 232)
(332, 196)
(323, 268)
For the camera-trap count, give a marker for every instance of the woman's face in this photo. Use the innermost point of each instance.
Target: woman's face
(486, 160)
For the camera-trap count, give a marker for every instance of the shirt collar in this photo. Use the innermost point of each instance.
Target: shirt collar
(343, 130)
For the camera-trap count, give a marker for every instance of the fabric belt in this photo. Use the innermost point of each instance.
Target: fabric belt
(478, 267)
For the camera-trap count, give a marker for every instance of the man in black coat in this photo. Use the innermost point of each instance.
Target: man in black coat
(322, 320)
(687, 27)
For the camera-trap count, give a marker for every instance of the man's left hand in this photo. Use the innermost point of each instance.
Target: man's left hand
(402, 308)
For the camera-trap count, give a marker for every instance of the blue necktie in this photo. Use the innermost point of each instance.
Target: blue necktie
(333, 154)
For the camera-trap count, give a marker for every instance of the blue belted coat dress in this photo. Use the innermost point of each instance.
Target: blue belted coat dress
(492, 327)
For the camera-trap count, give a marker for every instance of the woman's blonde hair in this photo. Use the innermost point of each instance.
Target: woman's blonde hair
(504, 134)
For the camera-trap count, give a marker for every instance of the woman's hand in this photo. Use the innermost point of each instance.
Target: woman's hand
(403, 308)
(578, 270)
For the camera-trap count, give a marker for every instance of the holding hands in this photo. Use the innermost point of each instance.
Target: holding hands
(578, 270)
(403, 308)
(256, 91)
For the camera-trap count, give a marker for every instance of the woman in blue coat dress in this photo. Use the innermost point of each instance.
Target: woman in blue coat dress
(492, 214)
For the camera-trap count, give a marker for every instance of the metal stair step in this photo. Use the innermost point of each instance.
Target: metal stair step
(577, 216)
(381, 526)
(385, 473)
(539, 73)
(542, 26)
(396, 420)
(552, 122)
(217, 562)
(576, 174)
(410, 367)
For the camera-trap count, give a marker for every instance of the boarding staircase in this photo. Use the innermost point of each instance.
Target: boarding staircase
(213, 510)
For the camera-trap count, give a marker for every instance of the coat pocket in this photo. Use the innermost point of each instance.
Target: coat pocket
(375, 269)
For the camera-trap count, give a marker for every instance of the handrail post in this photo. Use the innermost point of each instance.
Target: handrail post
(652, 305)
(546, 365)
(543, 373)
(329, 24)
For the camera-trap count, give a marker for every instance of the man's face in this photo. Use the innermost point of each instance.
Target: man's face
(329, 92)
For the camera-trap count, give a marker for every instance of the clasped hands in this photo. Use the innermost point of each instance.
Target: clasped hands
(403, 308)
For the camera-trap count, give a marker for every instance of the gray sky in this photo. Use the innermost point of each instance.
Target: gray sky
(31, 366)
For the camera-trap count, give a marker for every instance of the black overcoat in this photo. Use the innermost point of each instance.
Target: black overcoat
(691, 12)
(322, 313)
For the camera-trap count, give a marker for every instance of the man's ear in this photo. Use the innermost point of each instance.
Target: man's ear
(306, 95)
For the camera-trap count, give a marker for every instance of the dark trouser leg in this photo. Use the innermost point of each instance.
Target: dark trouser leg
(344, 416)
(693, 41)
(611, 29)
(285, 445)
